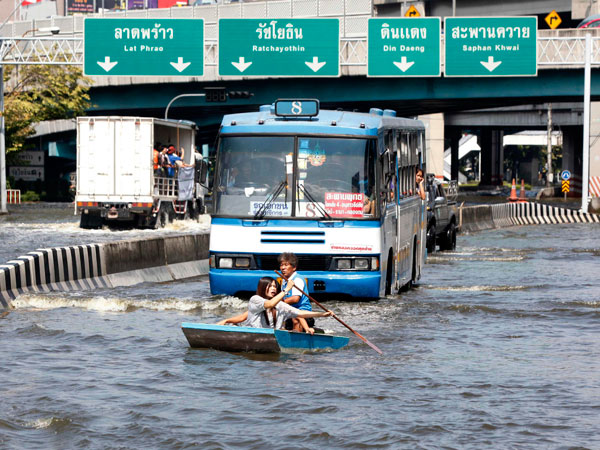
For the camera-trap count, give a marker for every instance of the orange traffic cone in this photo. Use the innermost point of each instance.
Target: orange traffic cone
(522, 198)
(513, 192)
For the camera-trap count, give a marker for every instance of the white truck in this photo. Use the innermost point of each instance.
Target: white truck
(116, 178)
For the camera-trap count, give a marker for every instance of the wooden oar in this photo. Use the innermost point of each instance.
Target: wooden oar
(364, 339)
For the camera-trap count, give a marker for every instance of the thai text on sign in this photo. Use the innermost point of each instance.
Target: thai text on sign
(344, 204)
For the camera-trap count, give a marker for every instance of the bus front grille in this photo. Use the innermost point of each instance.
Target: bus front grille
(305, 262)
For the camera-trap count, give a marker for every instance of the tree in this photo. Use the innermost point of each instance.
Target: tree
(40, 92)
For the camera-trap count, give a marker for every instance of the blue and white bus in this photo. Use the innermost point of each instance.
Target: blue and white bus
(336, 188)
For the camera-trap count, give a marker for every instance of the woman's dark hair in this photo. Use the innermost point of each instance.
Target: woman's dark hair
(263, 284)
(420, 170)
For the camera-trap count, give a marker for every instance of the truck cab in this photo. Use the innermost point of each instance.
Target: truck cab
(441, 214)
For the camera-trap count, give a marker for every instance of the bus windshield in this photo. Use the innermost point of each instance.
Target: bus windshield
(301, 177)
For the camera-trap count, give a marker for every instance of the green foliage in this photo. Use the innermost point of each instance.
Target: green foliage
(37, 93)
(30, 196)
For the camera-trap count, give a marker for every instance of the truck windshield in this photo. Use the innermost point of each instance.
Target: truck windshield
(287, 176)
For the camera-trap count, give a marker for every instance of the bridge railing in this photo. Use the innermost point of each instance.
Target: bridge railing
(353, 15)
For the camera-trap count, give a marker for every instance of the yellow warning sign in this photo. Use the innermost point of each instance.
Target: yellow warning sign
(412, 12)
(565, 186)
(553, 19)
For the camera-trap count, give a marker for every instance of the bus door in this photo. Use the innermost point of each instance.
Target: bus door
(389, 209)
(405, 219)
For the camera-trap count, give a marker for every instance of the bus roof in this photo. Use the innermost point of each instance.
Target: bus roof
(325, 122)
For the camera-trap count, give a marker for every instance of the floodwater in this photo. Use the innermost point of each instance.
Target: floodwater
(497, 347)
(31, 226)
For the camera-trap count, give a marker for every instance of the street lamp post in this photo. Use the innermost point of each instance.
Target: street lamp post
(178, 97)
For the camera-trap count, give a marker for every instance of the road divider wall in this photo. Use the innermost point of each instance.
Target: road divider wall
(112, 264)
(482, 217)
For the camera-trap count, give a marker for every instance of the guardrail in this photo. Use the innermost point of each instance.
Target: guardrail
(553, 52)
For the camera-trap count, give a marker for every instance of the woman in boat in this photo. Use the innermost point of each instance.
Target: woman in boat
(266, 310)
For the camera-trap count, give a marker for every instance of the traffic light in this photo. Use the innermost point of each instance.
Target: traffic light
(239, 94)
(215, 94)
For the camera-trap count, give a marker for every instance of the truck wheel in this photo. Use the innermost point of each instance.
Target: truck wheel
(430, 240)
(90, 222)
(449, 240)
(163, 219)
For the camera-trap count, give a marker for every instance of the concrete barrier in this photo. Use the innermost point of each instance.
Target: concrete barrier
(112, 264)
(476, 218)
(482, 217)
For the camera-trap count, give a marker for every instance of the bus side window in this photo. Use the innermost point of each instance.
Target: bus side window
(405, 169)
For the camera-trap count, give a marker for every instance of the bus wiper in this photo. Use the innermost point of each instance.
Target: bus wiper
(262, 209)
(312, 200)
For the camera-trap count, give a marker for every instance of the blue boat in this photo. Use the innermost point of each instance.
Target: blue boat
(258, 340)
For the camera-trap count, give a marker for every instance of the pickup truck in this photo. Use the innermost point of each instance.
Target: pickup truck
(441, 214)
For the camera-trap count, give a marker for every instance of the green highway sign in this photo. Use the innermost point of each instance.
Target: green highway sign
(404, 47)
(279, 47)
(143, 47)
(490, 46)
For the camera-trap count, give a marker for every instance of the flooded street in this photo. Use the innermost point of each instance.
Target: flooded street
(32, 226)
(497, 347)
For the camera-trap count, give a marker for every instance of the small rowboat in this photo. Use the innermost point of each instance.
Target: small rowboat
(258, 340)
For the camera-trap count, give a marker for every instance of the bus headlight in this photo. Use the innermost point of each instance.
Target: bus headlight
(357, 263)
(242, 262)
(344, 264)
(225, 263)
(361, 264)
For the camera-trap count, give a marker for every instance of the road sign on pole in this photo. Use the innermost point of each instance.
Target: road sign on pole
(279, 47)
(404, 47)
(565, 174)
(143, 47)
(490, 46)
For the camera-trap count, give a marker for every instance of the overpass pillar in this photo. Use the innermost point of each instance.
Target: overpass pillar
(594, 182)
(434, 137)
(492, 157)
(453, 135)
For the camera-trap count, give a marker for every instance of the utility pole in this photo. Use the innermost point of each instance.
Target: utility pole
(587, 81)
(549, 173)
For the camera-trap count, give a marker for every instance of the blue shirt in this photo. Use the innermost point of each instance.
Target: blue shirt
(304, 302)
(172, 159)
